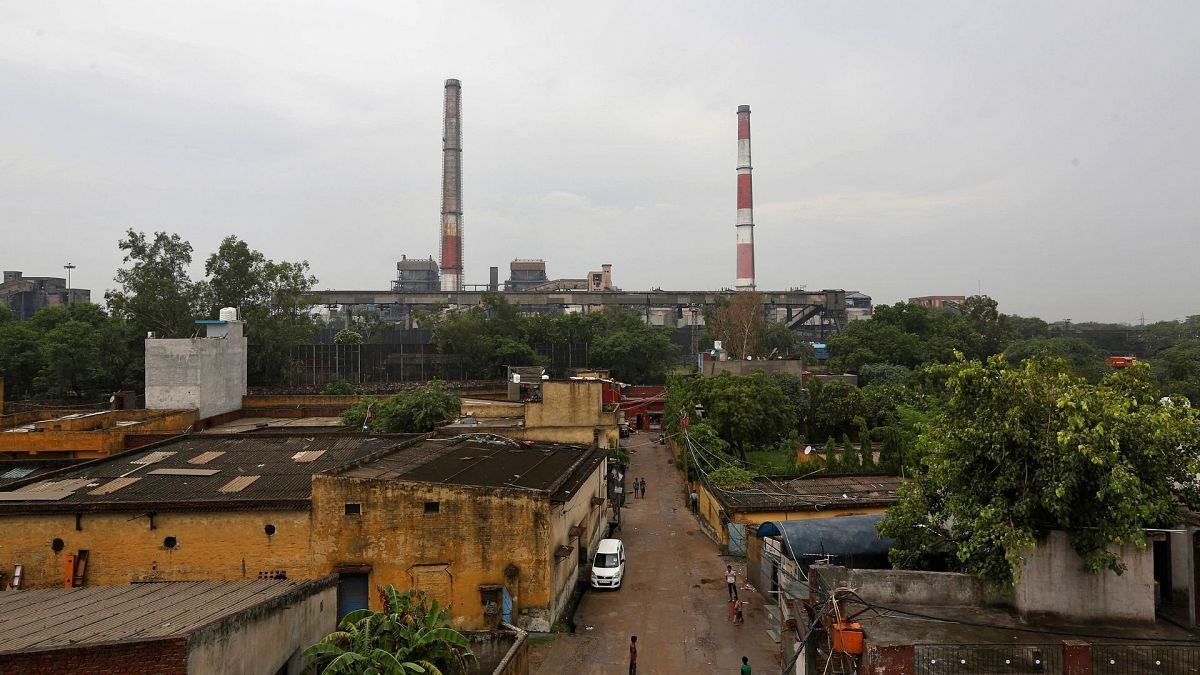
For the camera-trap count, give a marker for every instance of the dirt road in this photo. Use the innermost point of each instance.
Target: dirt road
(674, 597)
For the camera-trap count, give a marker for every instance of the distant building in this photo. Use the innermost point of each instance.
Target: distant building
(858, 306)
(951, 303)
(26, 295)
(525, 274)
(419, 275)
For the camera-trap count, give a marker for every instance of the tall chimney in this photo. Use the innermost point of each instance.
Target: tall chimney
(745, 205)
(452, 244)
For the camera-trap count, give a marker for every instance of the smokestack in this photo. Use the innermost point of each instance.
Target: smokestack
(452, 244)
(745, 205)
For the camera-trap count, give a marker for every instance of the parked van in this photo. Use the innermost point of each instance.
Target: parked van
(608, 567)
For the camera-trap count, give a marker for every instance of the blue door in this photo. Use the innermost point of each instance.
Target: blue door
(737, 538)
(352, 593)
(506, 605)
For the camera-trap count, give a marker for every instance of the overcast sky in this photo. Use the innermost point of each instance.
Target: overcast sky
(1044, 153)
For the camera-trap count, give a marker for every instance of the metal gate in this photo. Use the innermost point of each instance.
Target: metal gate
(737, 538)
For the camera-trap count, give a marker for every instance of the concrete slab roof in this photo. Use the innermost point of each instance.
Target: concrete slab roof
(811, 494)
(558, 470)
(260, 424)
(199, 471)
(58, 618)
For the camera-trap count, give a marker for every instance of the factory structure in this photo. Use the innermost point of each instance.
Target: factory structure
(423, 283)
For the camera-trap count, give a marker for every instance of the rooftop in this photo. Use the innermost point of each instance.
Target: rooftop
(267, 424)
(213, 470)
(811, 494)
(486, 461)
(12, 471)
(56, 618)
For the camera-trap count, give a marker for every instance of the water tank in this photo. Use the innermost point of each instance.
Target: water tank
(228, 314)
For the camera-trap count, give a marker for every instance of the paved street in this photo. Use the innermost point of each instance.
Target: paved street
(674, 597)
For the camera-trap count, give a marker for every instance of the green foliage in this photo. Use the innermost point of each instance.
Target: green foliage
(410, 635)
(705, 435)
(1016, 452)
(731, 478)
(833, 462)
(347, 336)
(1177, 370)
(866, 455)
(340, 387)
(883, 374)
(745, 411)
(849, 458)
(905, 334)
(156, 293)
(778, 339)
(414, 410)
(833, 407)
(1080, 357)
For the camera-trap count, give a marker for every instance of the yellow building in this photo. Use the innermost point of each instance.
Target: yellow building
(495, 528)
(558, 411)
(500, 529)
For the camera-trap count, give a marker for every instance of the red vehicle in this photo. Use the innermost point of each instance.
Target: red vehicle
(1121, 361)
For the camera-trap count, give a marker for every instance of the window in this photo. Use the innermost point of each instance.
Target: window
(354, 509)
(433, 507)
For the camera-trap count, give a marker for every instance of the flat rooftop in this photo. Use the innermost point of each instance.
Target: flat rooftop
(60, 618)
(478, 461)
(210, 470)
(267, 424)
(812, 494)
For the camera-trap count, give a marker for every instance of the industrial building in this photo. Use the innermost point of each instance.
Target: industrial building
(524, 275)
(26, 295)
(418, 275)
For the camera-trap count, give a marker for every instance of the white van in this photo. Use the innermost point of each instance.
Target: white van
(608, 567)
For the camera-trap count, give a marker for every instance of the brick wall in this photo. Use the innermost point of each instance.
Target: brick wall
(158, 657)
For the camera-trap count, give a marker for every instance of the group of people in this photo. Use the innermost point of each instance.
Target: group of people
(745, 670)
(639, 488)
(737, 608)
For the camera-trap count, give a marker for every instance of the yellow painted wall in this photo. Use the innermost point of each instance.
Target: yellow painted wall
(578, 511)
(474, 536)
(88, 437)
(211, 545)
(569, 412)
(485, 409)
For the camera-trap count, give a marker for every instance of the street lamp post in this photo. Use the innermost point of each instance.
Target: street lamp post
(68, 267)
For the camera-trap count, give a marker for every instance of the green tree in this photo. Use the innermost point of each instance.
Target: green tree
(779, 340)
(414, 410)
(737, 322)
(1177, 370)
(21, 357)
(834, 408)
(905, 334)
(1020, 451)
(883, 374)
(347, 336)
(411, 635)
(746, 411)
(833, 462)
(639, 354)
(156, 294)
(1076, 354)
(72, 361)
(273, 298)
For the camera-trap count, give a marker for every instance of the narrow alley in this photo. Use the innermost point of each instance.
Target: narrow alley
(674, 597)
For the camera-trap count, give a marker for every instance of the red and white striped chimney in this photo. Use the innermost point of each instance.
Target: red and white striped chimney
(745, 205)
(452, 242)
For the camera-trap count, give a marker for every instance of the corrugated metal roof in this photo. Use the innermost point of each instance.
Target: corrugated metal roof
(53, 618)
(152, 458)
(205, 457)
(114, 485)
(231, 456)
(238, 484)
(814, 494)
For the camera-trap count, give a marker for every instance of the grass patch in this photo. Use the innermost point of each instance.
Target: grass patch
(540, 640)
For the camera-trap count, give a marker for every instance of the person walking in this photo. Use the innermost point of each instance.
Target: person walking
(745, 666)
(695, 500)
(633, 655)
(739, 616)
(643, 487)
(731, 582)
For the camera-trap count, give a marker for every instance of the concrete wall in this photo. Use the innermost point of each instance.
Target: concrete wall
(905, 587)
(122, 548)
(569, 412)
(475, 535)
(577, 511)
(267, 637)
(501, 652)
(788, 366)
(208, 374)
(1054, 584)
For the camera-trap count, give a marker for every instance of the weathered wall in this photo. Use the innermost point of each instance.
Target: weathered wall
(578, 511)
(569, 412)
(265, 638)
(203, 373)
(86, 437)
(157, 657)
(787, 366)
(474, 536)
(501, 652)
(485, 409)
(1054, 584)
(122, 548)
(905, 587)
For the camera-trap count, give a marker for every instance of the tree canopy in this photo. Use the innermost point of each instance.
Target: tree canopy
(1012, 452)
(415, 410)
